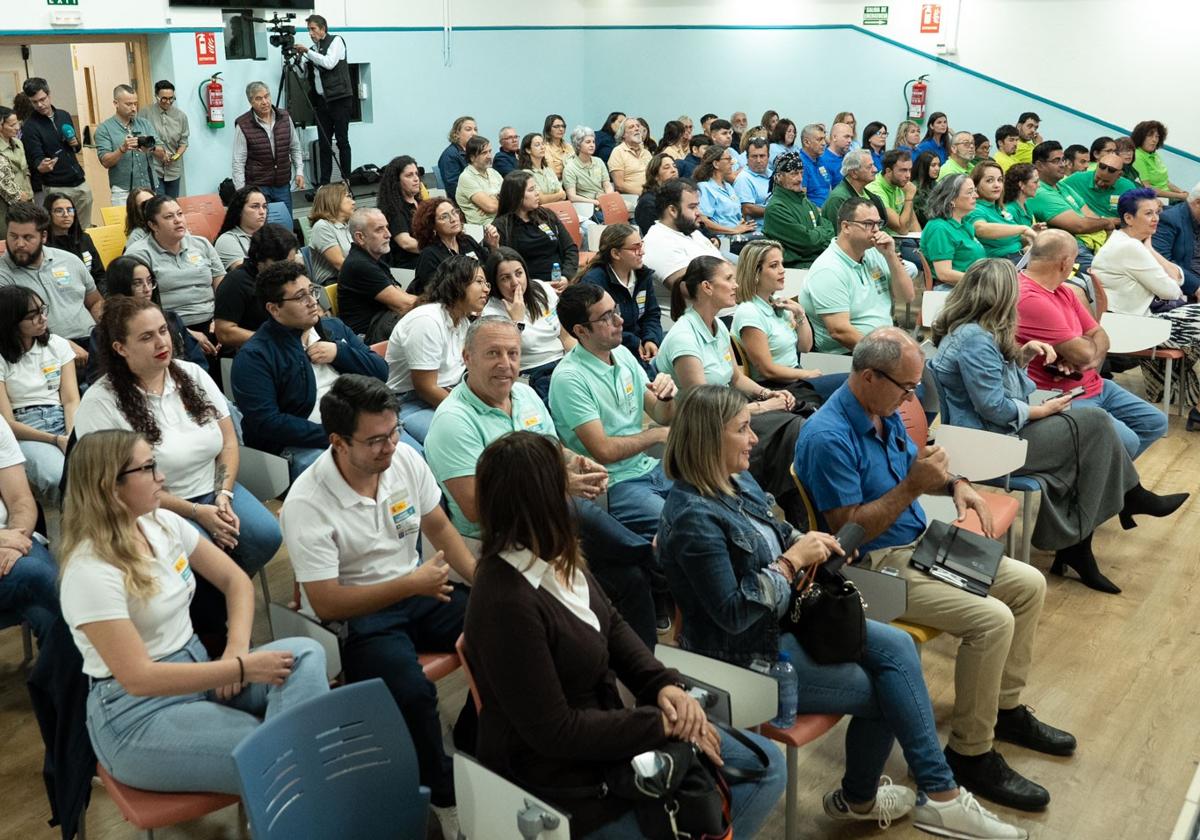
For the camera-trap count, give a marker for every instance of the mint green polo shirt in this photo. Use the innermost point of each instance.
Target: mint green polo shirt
(986, 211)
(946, 239)
(1102, 202)
(463, 426)
(584, 389)
(775, 325)
(690, 337)
(837, 283)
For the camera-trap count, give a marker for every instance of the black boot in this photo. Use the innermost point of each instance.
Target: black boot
(1139, 500)
(1080, 558)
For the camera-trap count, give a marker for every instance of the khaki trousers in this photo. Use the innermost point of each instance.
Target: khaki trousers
(997, 639)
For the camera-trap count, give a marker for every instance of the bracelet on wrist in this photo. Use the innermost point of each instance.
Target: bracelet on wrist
(241, 670)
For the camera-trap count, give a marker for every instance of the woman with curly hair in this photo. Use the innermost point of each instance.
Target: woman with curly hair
(438, 228)
(1148, 137)
(400, 193)
(182, 414)
(424, 353)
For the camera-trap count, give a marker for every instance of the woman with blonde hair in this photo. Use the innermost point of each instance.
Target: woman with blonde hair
(908, 137)
(329, 241)
(1084, 470)
(160, 714)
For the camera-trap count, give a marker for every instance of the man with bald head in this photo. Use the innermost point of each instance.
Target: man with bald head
(370, 300)
(841, 137)
(1101, 187)
(1049, 312)
(858, 464)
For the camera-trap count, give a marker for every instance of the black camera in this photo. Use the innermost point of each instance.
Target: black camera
(283, 32)
(145, 141)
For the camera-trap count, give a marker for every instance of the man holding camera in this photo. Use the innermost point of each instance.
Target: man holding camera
(124, 143)
(332, 92)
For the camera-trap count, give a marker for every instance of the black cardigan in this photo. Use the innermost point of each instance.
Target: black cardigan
(552, 717)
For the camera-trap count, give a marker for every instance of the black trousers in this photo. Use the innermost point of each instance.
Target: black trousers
(333, 122)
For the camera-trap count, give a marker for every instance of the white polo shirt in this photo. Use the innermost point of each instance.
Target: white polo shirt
(426, 339)
(333, 532)
(541, 340)
(668, 251)
(34, 379)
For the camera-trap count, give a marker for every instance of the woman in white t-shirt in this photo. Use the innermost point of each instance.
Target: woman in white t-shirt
(424, 352)
(329, 241)
(161, 716)
(38, 389)
(531, 304)
(178, 408)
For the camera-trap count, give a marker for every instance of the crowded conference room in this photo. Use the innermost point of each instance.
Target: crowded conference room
(597, 421)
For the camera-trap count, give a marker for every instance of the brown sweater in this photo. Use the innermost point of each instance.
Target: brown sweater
(551, 714)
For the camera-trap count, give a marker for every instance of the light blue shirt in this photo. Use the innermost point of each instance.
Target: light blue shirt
(720, 203)
(752, 188)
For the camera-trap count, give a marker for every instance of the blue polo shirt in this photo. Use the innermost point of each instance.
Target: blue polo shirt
(841, 461)
(832, 162)
(817, 179)
(752, 188)
(720, 203)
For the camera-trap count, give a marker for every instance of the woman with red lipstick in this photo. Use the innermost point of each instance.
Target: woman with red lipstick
(178, 408)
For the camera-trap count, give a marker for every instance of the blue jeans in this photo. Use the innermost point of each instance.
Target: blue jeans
(886, 695)
(385, 644)
(750, 802)
(624, 564)
(539, 379)
(43, 461)
(299, 459)
(170, 188)
(415, 416)
(1136, 422)
(29, 592)
(283, 194)
(637, 503)
(185, 742)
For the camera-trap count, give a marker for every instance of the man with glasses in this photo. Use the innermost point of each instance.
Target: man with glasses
(1062, 208)
(170, 126)
(333, 96)
(852, 287)
(121, 145)
(291, 361)
(858, 464)
(352, 523)
(505, 160)
(1100, 187)
(370, 299)
(51, 149)
(962, 151)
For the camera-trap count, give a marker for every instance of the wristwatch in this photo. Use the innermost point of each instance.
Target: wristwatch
(954, 479)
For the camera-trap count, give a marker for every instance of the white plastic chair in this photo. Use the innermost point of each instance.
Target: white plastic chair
(492, 808)
(932, 303)
(793, 281)
(753, 697)
(286, 622)
(266, 476)
(227, 377)
(404, 276)
(1131, 333)
(474, 231)
(593, 234)
(826, 362)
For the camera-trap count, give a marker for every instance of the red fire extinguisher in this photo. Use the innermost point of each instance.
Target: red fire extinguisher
(212, 96)
(915, 97)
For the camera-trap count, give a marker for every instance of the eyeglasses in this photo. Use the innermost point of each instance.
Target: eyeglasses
(869, 224)
(908, 391)
(638, 248)
(1057, 161)
(33, 314)
(149, 468)
(63, 211)
(166, 99)
(147, 283)
(881, 133)
(611, 317)
(1104, 167)
(311, 293)
(377, 443)
(445, 217)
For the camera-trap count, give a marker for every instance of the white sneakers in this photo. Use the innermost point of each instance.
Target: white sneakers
(891, 802)
(964, 818)
(447, 818)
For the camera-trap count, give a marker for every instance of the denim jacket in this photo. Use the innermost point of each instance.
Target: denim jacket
(715, 560)
(977, 386)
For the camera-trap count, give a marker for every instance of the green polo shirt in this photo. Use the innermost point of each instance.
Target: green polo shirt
(1151, 167)
(1102, 202)
(891, 196)
(584, 389)
(1021, 215)
(998, 214)
(690, 337)
(132, 169)
(464, 425)
(837, 283)
(946, 239)
(951, 168)
(1049, 201)
(775, 325)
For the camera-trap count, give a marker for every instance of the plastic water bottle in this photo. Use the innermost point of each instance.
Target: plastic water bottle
(555, 273)
(789, 691)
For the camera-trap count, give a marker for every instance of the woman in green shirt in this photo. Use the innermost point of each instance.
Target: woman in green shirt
(994, 224)
(791, 219)
(532, 158)
(1021, 183)
(1148, 137)
(948, 243)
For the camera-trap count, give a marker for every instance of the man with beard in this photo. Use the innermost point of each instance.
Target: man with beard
(675, 239)
(59, 278)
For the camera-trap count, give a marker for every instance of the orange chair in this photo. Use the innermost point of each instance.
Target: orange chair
(380, 348)
(805, 730)
(613, 206)
(438, 665)
(201, 225)
(149, 810)
(461, 647)
(565, 211)
(208, 204)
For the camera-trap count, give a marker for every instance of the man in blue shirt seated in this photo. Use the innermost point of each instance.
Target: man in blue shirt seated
(687, 165)
(291, 361)
(858, 464)
(505, 160)
(841, 136)
(817, 178)
(753, 184)
(1178, 239)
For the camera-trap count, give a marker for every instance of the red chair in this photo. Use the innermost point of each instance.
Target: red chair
(565, 211)
(380, 348)
(148, 810)
(208, 204)
(613, 206)
(438, 665)
(805, 730)
(461, 647)
(201, 225)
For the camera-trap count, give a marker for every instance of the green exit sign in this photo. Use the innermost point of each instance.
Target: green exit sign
(62, 2)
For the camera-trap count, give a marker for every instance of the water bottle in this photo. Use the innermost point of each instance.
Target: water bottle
(789, 691)
(555, 273)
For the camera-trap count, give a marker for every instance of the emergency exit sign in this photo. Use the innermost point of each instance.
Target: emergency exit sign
(62, 2)
(875, 15)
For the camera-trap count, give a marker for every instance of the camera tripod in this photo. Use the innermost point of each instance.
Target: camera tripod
(292, 71)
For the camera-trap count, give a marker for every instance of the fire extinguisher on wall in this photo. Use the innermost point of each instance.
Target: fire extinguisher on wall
(916, 96)
(212, 96)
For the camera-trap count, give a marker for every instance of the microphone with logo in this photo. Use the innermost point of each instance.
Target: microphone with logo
(68, 136)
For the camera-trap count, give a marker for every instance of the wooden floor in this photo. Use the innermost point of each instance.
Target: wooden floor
(1120, 672)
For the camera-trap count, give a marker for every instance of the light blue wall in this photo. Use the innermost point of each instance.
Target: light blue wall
(504, 76)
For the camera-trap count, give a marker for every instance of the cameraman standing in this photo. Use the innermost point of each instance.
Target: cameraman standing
(332, 95)
(124, 143)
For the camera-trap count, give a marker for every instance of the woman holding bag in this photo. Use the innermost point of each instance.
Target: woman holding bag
(732, 567)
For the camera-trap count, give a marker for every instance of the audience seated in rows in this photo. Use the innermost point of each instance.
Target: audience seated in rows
(135, 222)
(453, 159)
(818, 179)
(948, 240)
(266, 148)
(1027, 136)
(478, 184)
(1100, 187)
(895, 187)
(719, 202)
(696, 148)
(534, 232)
(329, 240)
(937, 138)
(532, 305)
(1061, 208)
(585, 177)
(538, 618)
(505, 160)
(841, 138)
(532, 159)
(791, 219)
(1176, 239)
(290, 363)
(858, 464)
(370, 300)
(674, 140)
(962, 152)
(558, 148)
(400, 192)
(246, 214)
(606, 137)
(659, 170)
(67, 234)
(908, 137)
(732, 566)
(619, 268)
(236, 310)
(371, 578)
(438, 227)
(783, 139)
(1007, 138)
(858, 170)
(1148, 137)
(926, 168)
(874, 140)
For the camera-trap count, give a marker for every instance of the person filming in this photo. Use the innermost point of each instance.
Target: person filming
(328, 75)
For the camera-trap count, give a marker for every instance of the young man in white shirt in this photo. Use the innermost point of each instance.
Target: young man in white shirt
(675, 239)
(351, 523)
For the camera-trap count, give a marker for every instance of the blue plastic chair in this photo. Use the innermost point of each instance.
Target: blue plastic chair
(340, 765)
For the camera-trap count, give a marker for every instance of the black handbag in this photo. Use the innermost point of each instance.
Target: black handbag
(827, 616)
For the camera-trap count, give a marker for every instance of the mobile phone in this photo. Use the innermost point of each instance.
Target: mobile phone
(1076, 392)
(1058, 372)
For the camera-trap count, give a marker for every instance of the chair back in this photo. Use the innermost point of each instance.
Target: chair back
(813, 520)
(379, 348)
(491, 807)
(113, 215)
(753, 697)
(278, 214)
(1101, 295)
(1131, 333)
(109, 241)
(565, 211)
(265, 475)
(287, 623)
(612, 205)
(793, 281)
(199, 224)
(404, 276)
(208, 204)
(227, 377)
(331, 291)
(827, 362)
(339, 765)
(306, 258)
(925, 270)
(931, 306)
(913, 416)
(739, 355)
(461, 647)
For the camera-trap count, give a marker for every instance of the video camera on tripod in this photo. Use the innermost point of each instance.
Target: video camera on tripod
(283, 33)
